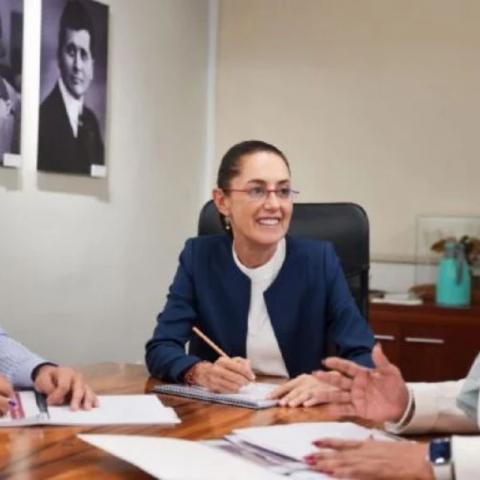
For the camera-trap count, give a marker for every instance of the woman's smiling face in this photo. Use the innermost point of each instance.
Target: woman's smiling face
(259, 223)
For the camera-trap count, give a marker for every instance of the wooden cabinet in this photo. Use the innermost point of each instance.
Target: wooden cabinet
(427, 342)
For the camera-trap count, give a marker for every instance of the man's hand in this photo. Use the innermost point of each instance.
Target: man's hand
(6, 394)
(226, 375)
(63, 384)
(379, 395)
(371, 460)
(306, 390)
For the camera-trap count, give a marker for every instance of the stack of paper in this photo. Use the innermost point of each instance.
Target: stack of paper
(295, 440)
(398, 299)
(263, 453)
(174, 459)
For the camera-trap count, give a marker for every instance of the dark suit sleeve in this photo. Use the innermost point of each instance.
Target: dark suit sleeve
(165, 352)
(348, 330)
(91, 139)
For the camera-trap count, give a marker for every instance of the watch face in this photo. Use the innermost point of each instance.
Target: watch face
(440, 451)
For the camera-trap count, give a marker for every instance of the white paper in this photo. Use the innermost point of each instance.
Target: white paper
(32, 414)
(175, 459)
(269, 460)
(113, 410)
(99, 171)
(295, 440)
(117, 409)
(257, 390)
(12, 160)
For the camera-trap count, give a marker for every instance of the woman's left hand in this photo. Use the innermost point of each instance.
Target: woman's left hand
(371, 460)
(306, 391)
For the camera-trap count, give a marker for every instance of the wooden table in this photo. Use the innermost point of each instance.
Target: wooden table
(56, 453)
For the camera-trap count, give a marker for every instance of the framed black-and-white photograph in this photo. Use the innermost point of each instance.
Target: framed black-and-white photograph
(73, 79)
(11, 40)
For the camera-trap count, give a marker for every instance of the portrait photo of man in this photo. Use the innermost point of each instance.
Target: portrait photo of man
(73, 87)
(11, 39)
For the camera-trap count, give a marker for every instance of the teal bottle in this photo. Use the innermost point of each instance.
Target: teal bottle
(454, 286)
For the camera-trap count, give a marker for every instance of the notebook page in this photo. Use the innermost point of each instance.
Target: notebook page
(253, 395)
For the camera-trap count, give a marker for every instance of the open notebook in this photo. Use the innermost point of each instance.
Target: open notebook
(253, 395)
(31, 409)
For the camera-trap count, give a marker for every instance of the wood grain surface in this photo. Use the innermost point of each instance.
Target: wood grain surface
(56, 453)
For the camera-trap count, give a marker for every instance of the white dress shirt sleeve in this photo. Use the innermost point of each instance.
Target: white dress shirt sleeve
(466, 458)
(435, 410)
(16, 361)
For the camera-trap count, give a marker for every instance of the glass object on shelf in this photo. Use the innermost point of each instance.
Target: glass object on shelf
(436, 231)
(453, 288)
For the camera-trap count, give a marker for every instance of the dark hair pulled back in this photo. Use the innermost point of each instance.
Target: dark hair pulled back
(230, 165)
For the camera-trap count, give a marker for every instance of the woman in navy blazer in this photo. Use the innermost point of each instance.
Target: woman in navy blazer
(306, 303)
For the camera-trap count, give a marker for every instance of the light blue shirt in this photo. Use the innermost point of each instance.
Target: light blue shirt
(16, 361)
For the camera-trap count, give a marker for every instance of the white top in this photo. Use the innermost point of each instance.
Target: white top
(73, 106)
(262, 345)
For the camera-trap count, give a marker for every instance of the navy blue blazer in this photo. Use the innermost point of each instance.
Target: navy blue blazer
(309, 304)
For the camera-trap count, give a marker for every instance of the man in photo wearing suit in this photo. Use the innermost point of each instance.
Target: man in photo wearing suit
(69, 135)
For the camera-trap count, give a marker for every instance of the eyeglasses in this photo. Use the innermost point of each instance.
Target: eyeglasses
(261, 193)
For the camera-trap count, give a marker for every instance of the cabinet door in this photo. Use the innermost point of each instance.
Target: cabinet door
(425, 353)
(463, 347)
(388, 335)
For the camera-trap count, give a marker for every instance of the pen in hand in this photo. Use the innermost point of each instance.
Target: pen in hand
(209, 342)
(226, 361)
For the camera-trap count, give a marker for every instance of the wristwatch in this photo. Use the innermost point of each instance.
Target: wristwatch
(440, 457)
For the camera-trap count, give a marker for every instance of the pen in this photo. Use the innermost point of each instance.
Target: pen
(16, 407)
(209, 342)
(216, 347)
(41, 400)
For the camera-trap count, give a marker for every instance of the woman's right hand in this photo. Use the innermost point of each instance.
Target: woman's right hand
(226, 375)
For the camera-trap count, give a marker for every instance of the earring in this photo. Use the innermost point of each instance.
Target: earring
(227, 223)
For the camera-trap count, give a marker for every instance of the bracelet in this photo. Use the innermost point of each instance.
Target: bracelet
(409, 411)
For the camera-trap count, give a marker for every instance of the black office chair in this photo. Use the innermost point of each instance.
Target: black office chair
(343, 224)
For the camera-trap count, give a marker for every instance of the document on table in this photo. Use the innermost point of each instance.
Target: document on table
(253, 395)
(294, 440)
(30, 409)
(278, 464)
(175, 459)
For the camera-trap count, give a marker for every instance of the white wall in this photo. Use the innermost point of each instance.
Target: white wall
(374, 101)
(85, 263)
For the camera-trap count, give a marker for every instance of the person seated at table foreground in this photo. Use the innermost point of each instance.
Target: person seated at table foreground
(21, 368)
(381, 395)
(272, 302)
